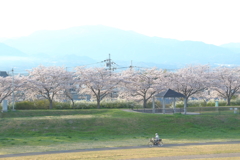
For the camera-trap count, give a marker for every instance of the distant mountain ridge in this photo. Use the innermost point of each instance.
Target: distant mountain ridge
(235, 47)
(96, 42)
(6, 50)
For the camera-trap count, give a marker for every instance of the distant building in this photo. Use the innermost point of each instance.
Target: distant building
(3, 74)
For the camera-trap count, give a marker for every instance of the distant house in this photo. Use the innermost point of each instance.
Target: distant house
(3, 74)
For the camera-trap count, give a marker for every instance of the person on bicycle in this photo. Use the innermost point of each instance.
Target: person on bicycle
(157, 137)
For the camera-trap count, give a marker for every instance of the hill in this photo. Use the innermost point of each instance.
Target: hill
(235, 47)
(13, 58)
(6, 50)
(62, 129)
(96, 42)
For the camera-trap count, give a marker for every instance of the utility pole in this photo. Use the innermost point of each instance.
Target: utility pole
(13, 99)
(131, 66)
(109, 65)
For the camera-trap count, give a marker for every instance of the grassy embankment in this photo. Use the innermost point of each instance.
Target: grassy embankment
(44, 130)
(144, 153)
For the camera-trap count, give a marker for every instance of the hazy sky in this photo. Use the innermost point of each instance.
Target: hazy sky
(211, 21)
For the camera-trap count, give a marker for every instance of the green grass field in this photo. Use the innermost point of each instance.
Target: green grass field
(45, 130)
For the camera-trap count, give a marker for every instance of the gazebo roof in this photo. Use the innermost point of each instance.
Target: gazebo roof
(169, 93)
(3, 74)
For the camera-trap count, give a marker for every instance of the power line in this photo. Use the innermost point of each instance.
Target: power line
(131, 67)
(91, 64)
(109, 63)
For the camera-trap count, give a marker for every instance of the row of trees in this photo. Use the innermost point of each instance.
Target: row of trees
(55, 83)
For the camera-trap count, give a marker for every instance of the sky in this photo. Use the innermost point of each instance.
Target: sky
(210, 21)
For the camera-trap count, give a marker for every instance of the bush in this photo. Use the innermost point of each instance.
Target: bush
(117, 104)
(197, 103)
(62, 105)
(157, 104)
(44, 104)
(179, 104)
(85, 105)
(211, 103)
(235, 102)
(104, 104)
(25, 105)
(193, 103)
(37, 104)
(41, 104)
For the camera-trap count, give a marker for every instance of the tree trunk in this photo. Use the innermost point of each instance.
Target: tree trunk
(72, 103)
(50, 103)
(98, 103)
(205, 103)
(186, 101)
(144, 103)
(185, 105)
(228, 101)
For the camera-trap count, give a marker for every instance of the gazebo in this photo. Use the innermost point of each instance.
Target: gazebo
(170, 94)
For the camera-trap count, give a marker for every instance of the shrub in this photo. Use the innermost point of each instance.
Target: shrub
(211, 103)
(37, 104)
(197, 103)
(44, 104)
(104, 104)
(25, 105)
(157, 104)
(62, 105)
(85, 105)
(41, 104)
(191, 103)
(179, 104)
(117, 104)
(235, 102)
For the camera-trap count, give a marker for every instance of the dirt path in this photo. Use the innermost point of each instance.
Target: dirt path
(223, 155)
(141, 111)
(130, 147)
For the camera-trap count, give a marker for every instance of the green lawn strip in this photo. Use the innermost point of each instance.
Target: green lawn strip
(34, 113)
(49, 127)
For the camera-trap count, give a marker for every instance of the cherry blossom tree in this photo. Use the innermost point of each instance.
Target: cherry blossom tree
(190, 80)
(226, 82)
(98, 82)
(143, 84)
(67, 92)
(206, 95)
(47, 82)
(8, 85)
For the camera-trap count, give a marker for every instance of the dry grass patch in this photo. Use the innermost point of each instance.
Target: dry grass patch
(140, 153)
(224, 158)
(56, 117)
(72, 146)
(91, 145)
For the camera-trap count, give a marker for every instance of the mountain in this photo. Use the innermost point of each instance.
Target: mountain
(13, 58)
(6, 50)
(2, 39)
(235, 47)
(96, 42)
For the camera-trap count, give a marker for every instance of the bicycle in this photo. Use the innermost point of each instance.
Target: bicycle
(152, 142)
